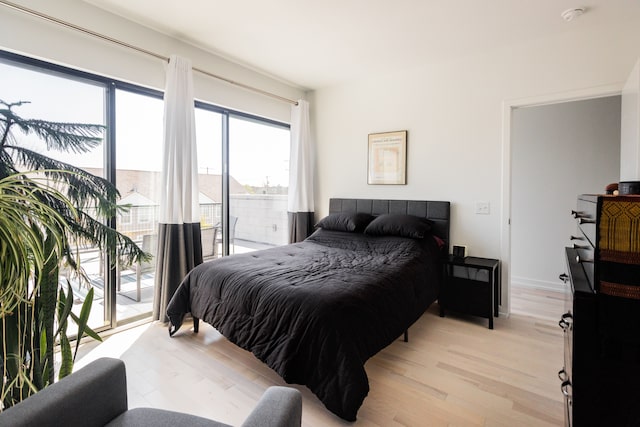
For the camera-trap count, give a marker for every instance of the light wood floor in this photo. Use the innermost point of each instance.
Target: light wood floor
(452, 372)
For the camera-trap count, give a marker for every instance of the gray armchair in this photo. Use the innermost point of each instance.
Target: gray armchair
(96, 395)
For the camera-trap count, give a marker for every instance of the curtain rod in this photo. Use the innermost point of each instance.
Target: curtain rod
(139, 49)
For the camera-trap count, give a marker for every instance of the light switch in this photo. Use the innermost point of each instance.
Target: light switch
(482, 208)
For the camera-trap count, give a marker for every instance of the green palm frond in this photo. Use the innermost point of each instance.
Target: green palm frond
(81, 187)
(58, 136)
(25, 217)
(67, 137)
(6, 164)
(117, 245)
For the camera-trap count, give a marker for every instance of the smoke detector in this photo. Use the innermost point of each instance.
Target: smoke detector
(573, 13)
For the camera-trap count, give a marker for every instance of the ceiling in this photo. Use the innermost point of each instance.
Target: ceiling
(314, 44)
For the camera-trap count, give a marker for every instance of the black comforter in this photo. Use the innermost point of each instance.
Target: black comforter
(316, 311)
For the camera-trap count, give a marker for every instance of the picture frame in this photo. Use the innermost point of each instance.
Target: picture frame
(387, 158)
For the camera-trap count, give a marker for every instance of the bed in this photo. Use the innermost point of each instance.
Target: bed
(316, 311)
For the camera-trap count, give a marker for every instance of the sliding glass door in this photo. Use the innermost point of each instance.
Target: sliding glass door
(209, 141)
(242, 170)
(258, 183)
(64, 97)
(138, 162)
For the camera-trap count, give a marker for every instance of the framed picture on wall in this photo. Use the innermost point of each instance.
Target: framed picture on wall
(387, 161)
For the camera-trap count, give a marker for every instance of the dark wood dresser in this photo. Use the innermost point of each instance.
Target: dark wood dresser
(600, 379)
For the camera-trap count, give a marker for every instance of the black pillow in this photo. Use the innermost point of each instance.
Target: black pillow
(345, 221)
(399, 225)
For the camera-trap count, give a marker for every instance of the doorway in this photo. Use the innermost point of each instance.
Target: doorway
(553, 150)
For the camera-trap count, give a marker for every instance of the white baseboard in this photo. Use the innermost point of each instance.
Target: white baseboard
(524, 282)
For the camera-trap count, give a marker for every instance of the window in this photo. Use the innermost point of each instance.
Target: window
(124, 218)
(258, 184)
(258, 180)
(209, 140)
(131, 155)
(64, 98)
(138, 147)
(145, 216)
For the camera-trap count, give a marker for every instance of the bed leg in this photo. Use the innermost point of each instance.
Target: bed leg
(172, 329)
(196, 325)
(406, 336)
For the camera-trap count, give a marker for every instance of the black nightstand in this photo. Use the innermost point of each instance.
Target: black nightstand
(471, 286)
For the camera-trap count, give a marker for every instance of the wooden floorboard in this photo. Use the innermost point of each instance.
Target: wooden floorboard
(452, 372)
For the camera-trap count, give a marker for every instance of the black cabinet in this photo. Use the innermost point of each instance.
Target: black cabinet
(579, 373)
(471, 286)
(600, 378)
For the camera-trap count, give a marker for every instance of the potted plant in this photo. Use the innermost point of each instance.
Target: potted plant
(43, 211)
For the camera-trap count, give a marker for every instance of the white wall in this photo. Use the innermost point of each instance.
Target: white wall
(453, 112)
(630, 128)
(35, 37)
(558, 151)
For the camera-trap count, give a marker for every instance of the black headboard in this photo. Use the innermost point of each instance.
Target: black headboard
(438, 212)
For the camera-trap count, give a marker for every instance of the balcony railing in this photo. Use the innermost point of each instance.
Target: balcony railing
(261, 223)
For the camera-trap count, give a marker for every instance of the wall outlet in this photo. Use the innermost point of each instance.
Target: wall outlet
(482, 208)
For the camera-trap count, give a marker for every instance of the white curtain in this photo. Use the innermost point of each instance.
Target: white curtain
(179, 239)
(301, 171)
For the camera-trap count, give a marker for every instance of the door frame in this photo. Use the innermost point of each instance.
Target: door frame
(508, 105)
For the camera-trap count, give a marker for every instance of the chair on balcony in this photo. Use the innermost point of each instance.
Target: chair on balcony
(233, 220)
(209, 242)
(149, 245)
